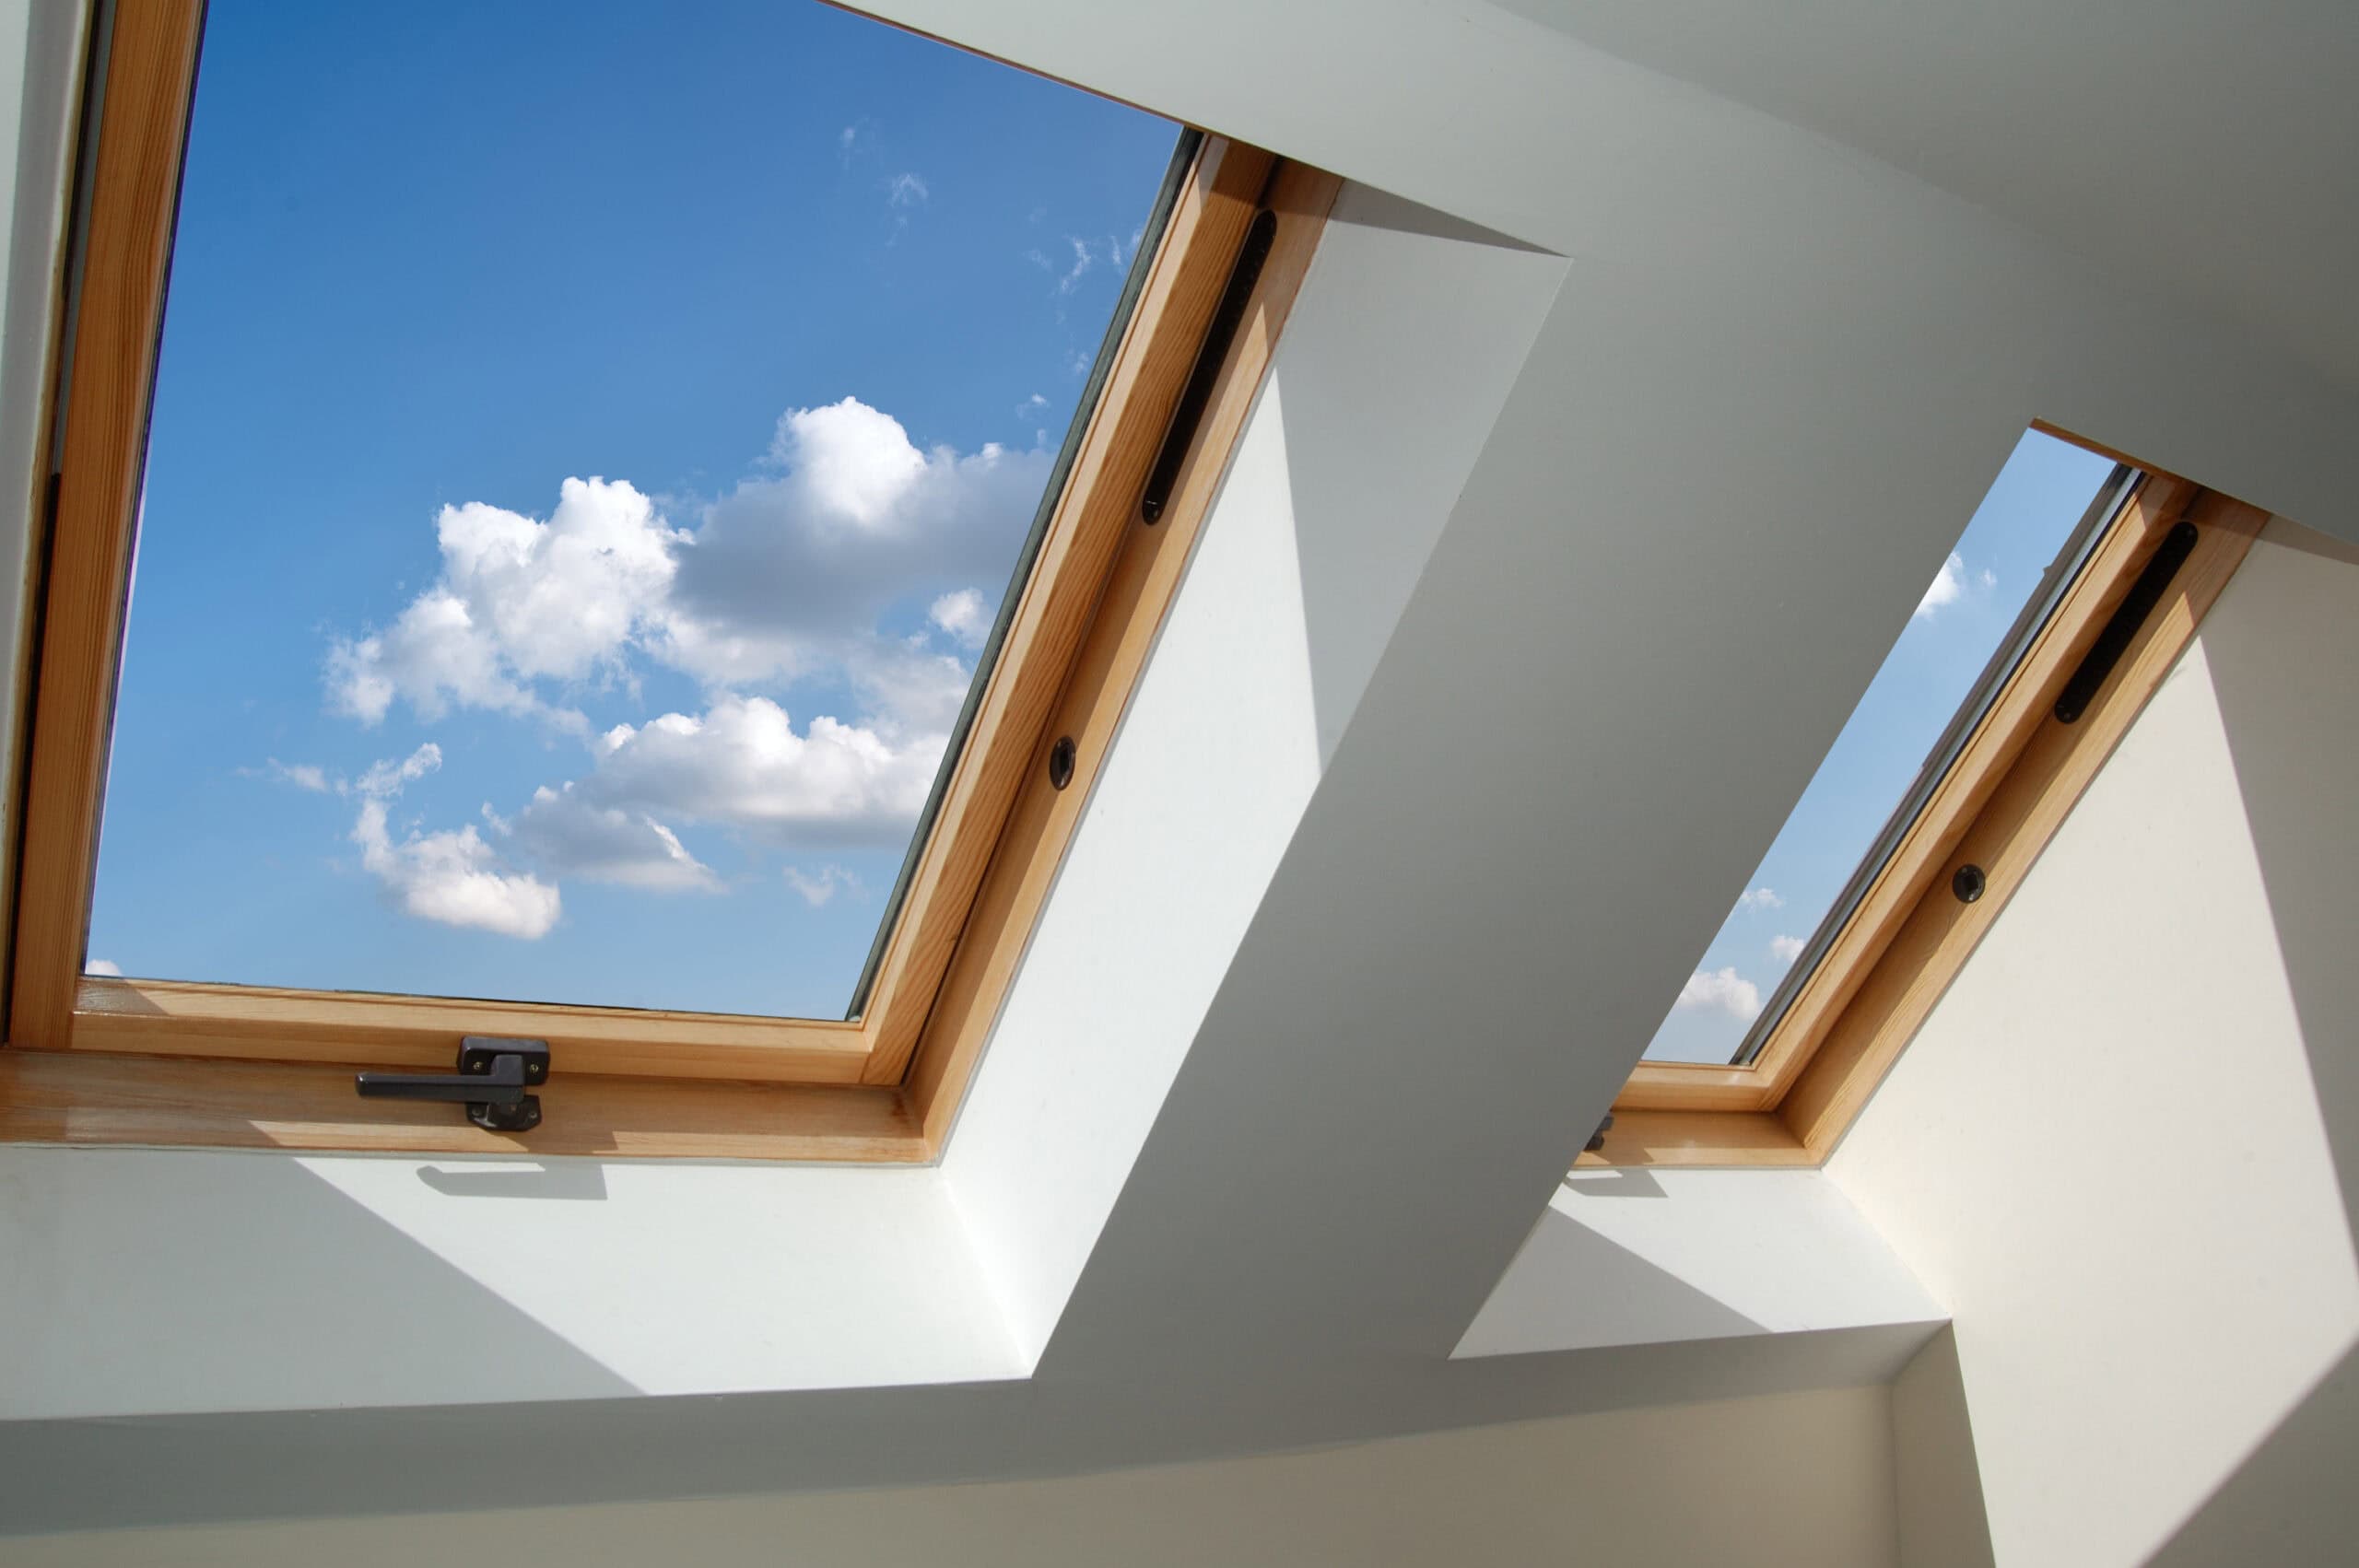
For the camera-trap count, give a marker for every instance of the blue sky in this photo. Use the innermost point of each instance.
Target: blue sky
(2023, 523)
(589, 444)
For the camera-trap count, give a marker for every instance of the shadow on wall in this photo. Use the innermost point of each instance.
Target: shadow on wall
(1363, 530)
(2288, 695)
(259, 1285)
(1936, 1482)
(1621, 1298)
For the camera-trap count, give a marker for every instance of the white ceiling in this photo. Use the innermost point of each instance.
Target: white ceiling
(2210, 143)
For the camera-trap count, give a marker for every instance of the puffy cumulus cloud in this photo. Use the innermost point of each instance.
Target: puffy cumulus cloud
(434, 655)
(818, 887)
(518, 600)
(1785, 949)
(567, 836)
(785, 568)
(110, 967)
(911, 692)
(741, 762)
(851, 461)
(1760, 898)
(1722, 989)
(454, 878)
(563, 596)
(1948, 585)
(786, 577)
(964, 616)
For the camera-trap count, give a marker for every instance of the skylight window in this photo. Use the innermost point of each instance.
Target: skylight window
(2027, 535)
(590, 449)
(653, 521)
(2078, 582)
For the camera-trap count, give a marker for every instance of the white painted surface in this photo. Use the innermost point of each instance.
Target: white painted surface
(147, 1283)
(1936, 1483)
(1337, 492)
(1801, 1479)
(2112, 1151)
(2260, 183)
(1639, 1256)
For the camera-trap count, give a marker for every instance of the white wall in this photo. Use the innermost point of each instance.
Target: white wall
(2113, 1149)
(1802, 1479)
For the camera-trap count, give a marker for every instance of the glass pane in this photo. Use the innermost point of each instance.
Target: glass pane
(2031, 513)
(591, 447)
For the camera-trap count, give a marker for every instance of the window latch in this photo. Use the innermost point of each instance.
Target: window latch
(493, 1076)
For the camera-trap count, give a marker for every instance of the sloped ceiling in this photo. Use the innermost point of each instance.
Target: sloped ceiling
(2213, 144)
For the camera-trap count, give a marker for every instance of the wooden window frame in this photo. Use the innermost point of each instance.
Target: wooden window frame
(2010, 787)
(93, 1059)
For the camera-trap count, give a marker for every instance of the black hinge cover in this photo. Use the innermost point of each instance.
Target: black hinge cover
(2114, 640)
(1597, 1140)
(1197, 396)
(491, 1082)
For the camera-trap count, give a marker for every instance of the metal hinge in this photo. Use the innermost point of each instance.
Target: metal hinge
(491, 1082)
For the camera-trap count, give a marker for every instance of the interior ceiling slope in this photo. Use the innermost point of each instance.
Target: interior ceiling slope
(2079, 121)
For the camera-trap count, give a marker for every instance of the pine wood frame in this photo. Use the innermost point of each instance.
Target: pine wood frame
(103, 1060)
(2018, 776)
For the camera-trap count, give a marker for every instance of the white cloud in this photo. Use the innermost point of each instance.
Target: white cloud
(904, 190)
(302, 775)
(855, 463)
(562, 596)
(1722, 989)
(103, 966)
(1946, 586)
(1786, 949)
(788, 573)
(1987, 579)
(788, 570)
(909, 691)
(517, 600)
(741, 764)
(1759, 898)
(816, 889)
(964, 616)
(454, 878)
(784, 579)
(385, 779)
(1031, 407)
(846, 139)
(567, 836)
(1082, 258)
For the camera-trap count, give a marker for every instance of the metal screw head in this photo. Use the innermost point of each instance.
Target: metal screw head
(1061, 761)
(1968, 884)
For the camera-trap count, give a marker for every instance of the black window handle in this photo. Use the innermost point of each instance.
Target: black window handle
(492, 1079)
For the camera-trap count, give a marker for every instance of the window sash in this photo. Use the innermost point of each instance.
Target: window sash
(2012, 778)
(98, 1058)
